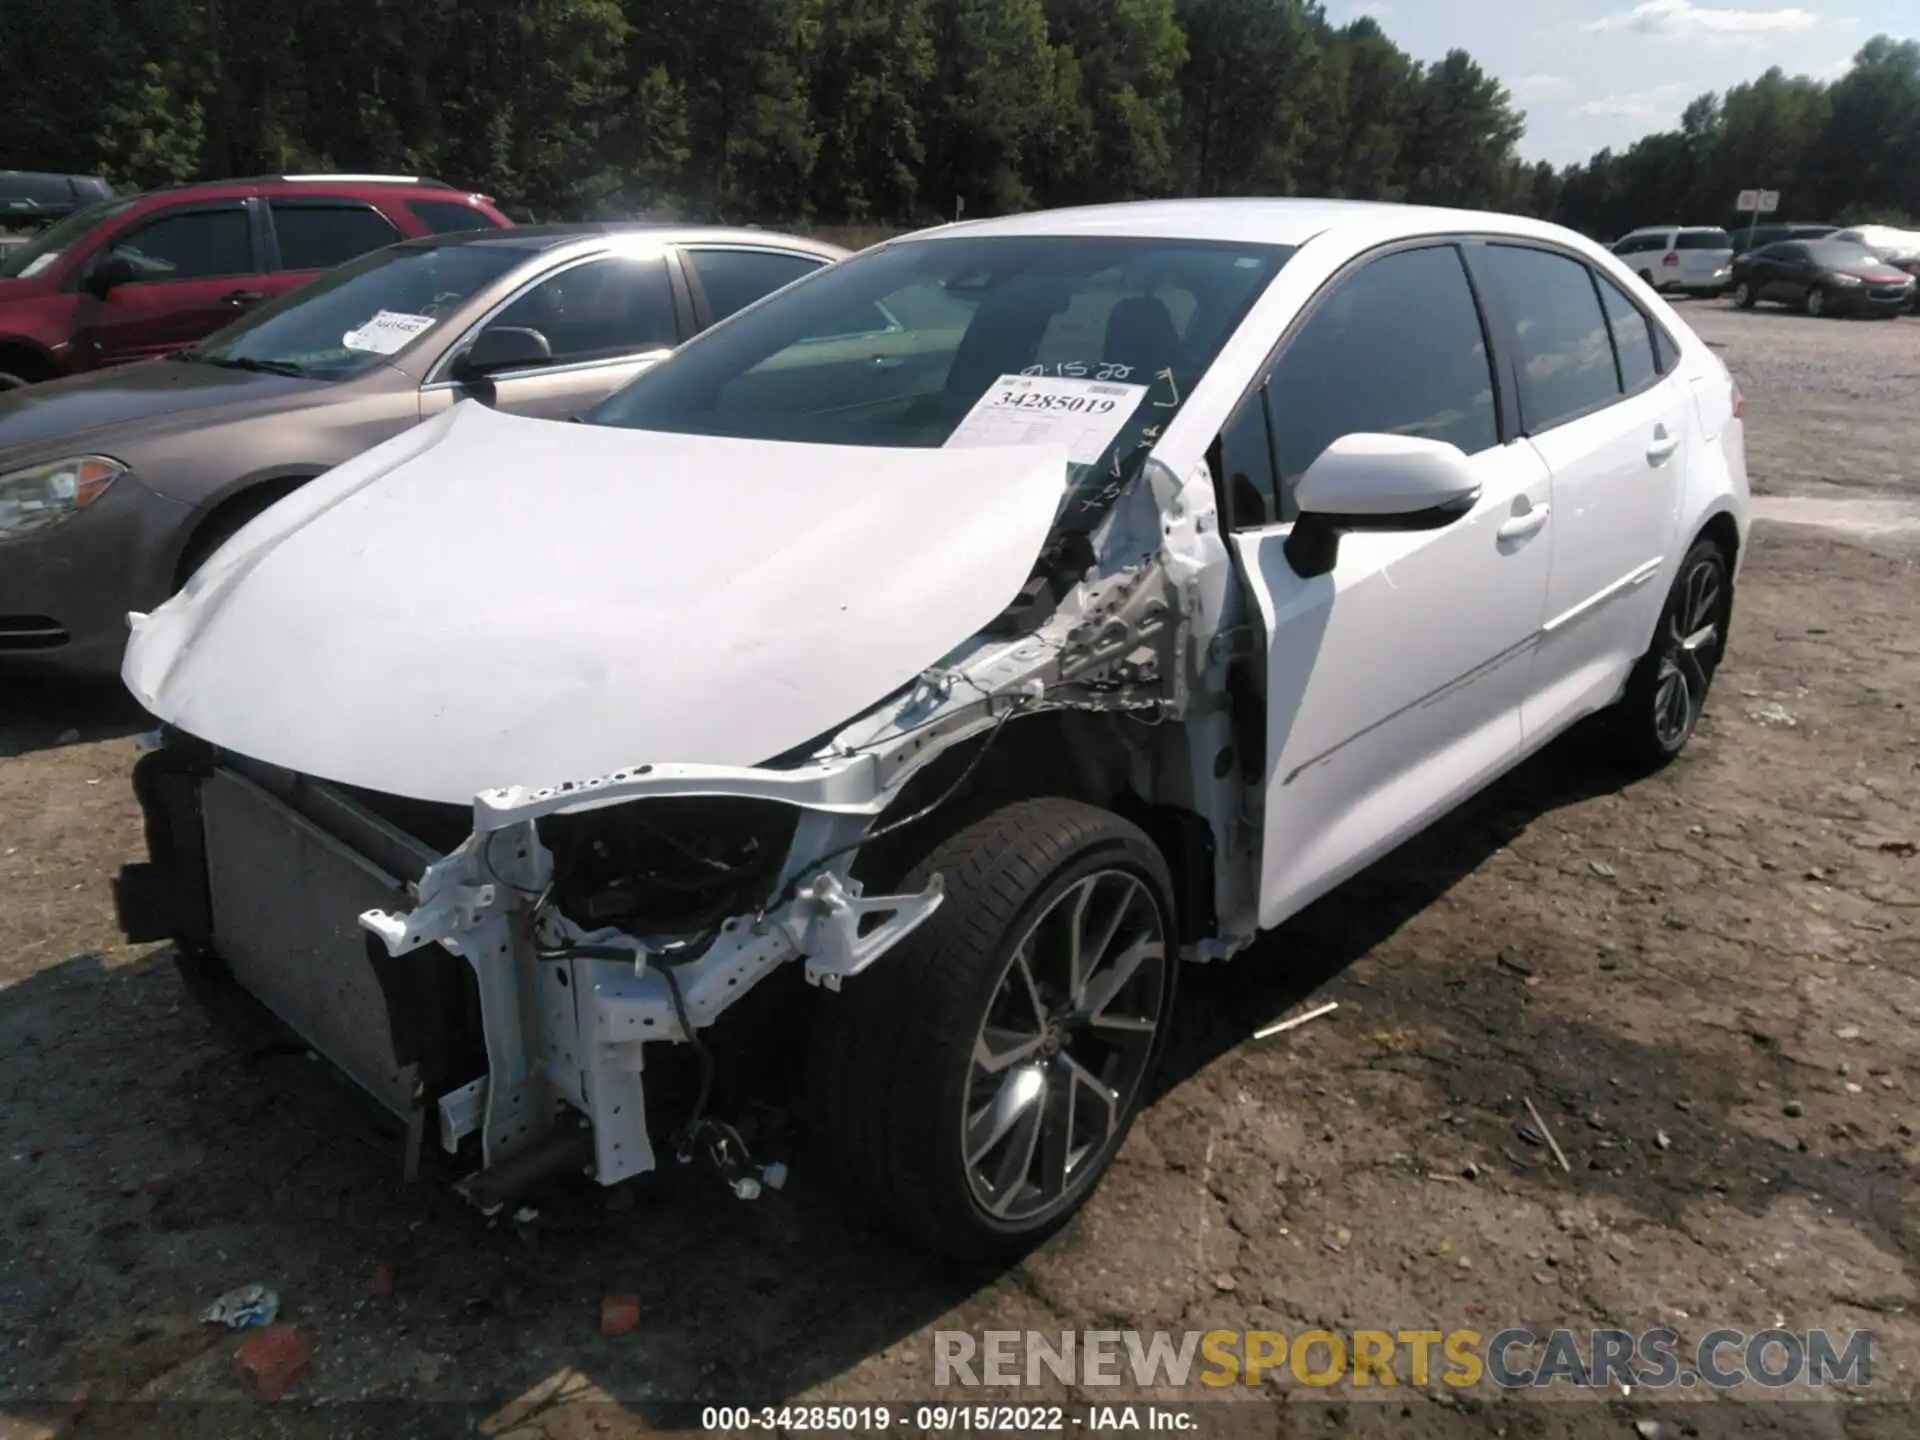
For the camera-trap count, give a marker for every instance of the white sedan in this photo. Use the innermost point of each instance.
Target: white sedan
(941, 648)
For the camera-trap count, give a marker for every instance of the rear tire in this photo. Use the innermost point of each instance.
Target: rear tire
(1667, 691)
(972, 1087)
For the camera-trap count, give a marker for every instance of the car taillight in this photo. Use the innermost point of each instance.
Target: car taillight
(1670, 259)
(1739, 404)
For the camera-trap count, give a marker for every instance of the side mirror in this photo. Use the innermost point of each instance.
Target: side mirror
(501, 347)
(108, 275)
(1376, 482)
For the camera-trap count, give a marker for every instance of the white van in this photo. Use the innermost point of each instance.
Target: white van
(1688, 259)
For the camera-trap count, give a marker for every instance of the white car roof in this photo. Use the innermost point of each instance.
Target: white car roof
(1264, 221)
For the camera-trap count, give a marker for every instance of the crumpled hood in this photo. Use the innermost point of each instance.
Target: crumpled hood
(487, 601)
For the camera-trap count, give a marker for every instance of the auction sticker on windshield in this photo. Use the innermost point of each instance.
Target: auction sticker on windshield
(386, 332)
(1084, 415)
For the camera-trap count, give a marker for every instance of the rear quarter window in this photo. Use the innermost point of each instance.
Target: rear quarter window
(447, 217)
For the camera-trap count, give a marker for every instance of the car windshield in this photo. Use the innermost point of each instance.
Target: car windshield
(1094, 341)
(49, 245)
(1839, 253)
(352, 318)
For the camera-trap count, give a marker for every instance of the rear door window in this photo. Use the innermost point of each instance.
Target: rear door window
(448, 217)
(318, 237)
(1632, 338)
(1704, 240)
(188, 245)
(734, 279)
(601, 309)
(1395, 348)
(1557, 333)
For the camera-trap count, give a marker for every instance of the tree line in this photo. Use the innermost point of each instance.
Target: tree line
(888, 111)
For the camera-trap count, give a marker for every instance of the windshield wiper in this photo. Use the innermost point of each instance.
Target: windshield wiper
(241, 362)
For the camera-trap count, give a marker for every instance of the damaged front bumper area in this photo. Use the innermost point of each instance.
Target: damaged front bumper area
(510, 989)
(569, 1005)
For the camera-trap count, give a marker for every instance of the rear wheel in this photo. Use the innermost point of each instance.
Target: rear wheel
(976, 1083)
(1667, 690)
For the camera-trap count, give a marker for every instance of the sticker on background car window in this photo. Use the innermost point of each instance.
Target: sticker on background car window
(386, 332)
(1083, 415)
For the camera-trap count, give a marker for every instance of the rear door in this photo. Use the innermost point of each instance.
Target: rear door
(1394, 683)
(311, 233)
(195, 265)
(1783, 272)
(1612, 430)
(605, 319)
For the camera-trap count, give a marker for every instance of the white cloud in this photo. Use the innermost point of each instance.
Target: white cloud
(1542, 87)
(1684, 19)
(1630, 107)
(1655, 104)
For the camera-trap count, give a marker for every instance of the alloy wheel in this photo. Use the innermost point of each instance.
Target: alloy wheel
(1065, 1045)
(1690, 653)
(1816, 302)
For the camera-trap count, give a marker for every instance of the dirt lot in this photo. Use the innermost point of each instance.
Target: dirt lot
(1708, 983)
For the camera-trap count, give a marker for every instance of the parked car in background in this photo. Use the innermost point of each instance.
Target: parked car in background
(32, 198)
(1822, 277)
(114, 486)
(1899, 248)
(136, 276)
(976, 630)
(1755, 237)
(1679, 259)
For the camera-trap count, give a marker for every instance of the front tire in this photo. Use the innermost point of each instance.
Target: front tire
(1745, 296)
(973, 1086)
(1816, 302)
(1667, 690)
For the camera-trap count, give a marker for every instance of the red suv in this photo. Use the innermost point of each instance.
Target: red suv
(137, 276)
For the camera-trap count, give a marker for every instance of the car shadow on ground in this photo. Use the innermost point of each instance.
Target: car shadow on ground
(40, 712)
(269, 1171)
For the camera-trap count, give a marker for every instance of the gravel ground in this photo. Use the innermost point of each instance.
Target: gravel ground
(1708, 983)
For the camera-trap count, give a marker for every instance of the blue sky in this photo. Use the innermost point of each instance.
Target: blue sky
(1590, 73)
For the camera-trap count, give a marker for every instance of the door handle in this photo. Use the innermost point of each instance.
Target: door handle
(241, 297)
(1521, 526)
(1662, 445)
(888, 362)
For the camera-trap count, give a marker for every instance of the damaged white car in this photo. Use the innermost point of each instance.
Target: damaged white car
(973, 630)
